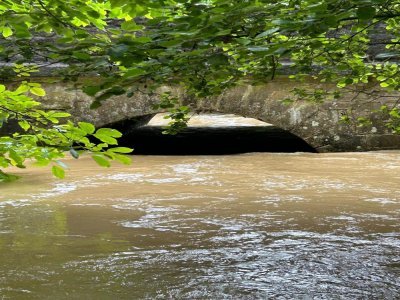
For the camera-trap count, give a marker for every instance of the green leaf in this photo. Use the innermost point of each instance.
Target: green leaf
(7, 31)
(58, 171)
(331, 21)
(101, 160)
(21, 30)
(23, 88)
(109, 132)
(384, 84)
(348, 81)
(38, 91)
(41, 162)
(81, 55)
(318, 7)
(15, 157)
(106, 139)
(267, 32)
(91, 90)
(24, 125)
(130, 25)
(366, 12)
(218, 60)
(134, 72)
(143, 39)
(87, 127)
(123, 159)
(108, 135)
(94, 14)
(60, 115)
(120, 150)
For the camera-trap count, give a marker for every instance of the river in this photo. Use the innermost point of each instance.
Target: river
(249, 226)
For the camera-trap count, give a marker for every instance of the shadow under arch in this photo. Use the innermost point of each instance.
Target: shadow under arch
(203, 140)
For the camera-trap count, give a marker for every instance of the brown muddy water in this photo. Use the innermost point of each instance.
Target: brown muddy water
(250, 226)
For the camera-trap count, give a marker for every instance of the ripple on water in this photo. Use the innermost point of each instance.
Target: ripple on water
(382, 201)
(126, 177)
(59, 189)
(15, 203)
(290, 264)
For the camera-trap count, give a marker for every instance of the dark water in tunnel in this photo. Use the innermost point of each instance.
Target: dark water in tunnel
(212, 140)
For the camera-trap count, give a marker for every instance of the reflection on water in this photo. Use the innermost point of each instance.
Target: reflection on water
(254, 226)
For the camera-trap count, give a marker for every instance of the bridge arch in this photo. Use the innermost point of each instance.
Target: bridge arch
(317, 124)
(207, 134)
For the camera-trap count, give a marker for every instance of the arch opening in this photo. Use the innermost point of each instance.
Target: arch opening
(207, 134)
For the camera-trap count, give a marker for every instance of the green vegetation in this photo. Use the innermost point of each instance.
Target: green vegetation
(205, 46)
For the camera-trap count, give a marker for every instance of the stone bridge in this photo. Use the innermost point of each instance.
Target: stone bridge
(319, 125)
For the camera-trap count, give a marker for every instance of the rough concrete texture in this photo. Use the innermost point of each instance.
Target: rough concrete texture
(317, 124)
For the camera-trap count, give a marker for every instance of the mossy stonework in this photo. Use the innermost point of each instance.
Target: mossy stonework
(319, 124)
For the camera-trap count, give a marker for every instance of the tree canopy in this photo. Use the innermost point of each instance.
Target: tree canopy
(205, 46)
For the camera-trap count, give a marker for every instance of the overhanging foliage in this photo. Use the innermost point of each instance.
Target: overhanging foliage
(204, 46)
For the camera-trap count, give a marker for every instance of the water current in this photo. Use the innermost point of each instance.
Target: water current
(249, 226)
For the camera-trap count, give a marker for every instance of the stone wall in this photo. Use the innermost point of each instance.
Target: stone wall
(318, 124)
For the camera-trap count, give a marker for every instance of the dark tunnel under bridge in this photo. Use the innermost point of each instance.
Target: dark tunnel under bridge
(148, 139)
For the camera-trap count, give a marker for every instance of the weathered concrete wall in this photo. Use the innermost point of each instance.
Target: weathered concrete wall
(317, 124)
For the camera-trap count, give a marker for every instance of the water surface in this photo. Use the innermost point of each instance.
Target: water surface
(250, 226)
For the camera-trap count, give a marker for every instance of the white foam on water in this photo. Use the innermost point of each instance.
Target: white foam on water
(15, 203)
(382, 200)
(164, 180)
(126, 177)
(58, 190)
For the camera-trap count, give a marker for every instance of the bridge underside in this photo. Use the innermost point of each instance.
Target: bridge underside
(207, 140)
